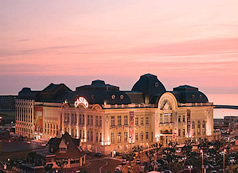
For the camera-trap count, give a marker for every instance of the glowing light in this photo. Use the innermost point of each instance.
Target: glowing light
(81, 100)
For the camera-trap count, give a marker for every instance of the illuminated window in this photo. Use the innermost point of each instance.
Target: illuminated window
(80, 117)
(147, 120)
(96, 120)
(91, 120)
(136, 136)
(91, 136)
(112, 121)
(142, 121)
(113, 97)
(193, 125)
(166, 119)
(96, 137)
(125, 136)
(136, 121)
(121, 97)
(88, 119)
(100, 121)
(146, 135)
(119, 120)
(198, 128)
(125, 120)
(88, 135)
(141, 136)
(161, 119)
(119, 137)
(112, 137)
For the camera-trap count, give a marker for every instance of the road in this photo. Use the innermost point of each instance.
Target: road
(101, 165)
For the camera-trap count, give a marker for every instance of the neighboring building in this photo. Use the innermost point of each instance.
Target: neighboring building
(219, 124)
(7, 102)
(64, 150)
(106, 118)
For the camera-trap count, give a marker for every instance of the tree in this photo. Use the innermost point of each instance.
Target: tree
(61, 163)
(48, 168)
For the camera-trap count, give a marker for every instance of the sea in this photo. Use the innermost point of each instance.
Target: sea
(224, 99)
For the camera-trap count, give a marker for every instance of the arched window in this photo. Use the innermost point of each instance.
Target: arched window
(193, 125)
(198, 128)
(204, 128)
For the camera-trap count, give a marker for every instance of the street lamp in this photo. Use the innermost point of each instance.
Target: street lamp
(201, 151)
(224, 152)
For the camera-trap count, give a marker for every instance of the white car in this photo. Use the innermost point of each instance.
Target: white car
(118, 168)
(123, 162)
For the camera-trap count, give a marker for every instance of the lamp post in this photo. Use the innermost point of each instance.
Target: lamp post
(201, 151)
(224, 152)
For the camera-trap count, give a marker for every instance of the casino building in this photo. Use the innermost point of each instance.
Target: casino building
(107, 119)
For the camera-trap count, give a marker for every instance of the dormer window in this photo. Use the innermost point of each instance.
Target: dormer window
(63, 147)
(113, 97)
(62, 150)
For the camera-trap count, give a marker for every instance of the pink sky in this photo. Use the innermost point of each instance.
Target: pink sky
(74, 42)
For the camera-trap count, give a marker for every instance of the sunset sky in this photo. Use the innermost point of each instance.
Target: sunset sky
(76, 41)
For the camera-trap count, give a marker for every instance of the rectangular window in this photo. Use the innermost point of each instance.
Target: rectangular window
(96, 120)
(125, 136)
(100, 121)
(100, 137)
(91, 120)
(88, 136)
(112, 121)
(166, 118)
(112, 137)
(65, 119)
(92, 136)
(183, 132)
(83, 119)
(179, 119)
(125, 120)
(88, 119)
(96, 137)
(147, 135)
(136, 136)
(119, 120)
(184, 118)
(72, 119)
(147, 120)
(119, 137)
(161, 119)
(179, 132)
(136, 121)
(142, 136)
(80, 117)
(142, 121)
(152, 137)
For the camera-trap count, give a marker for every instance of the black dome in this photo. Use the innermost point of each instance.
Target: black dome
(189, 94)
(149, 85)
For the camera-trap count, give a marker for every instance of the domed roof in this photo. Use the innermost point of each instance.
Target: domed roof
(149, 85)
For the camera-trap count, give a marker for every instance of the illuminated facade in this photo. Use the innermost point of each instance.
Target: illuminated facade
(107, 119)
